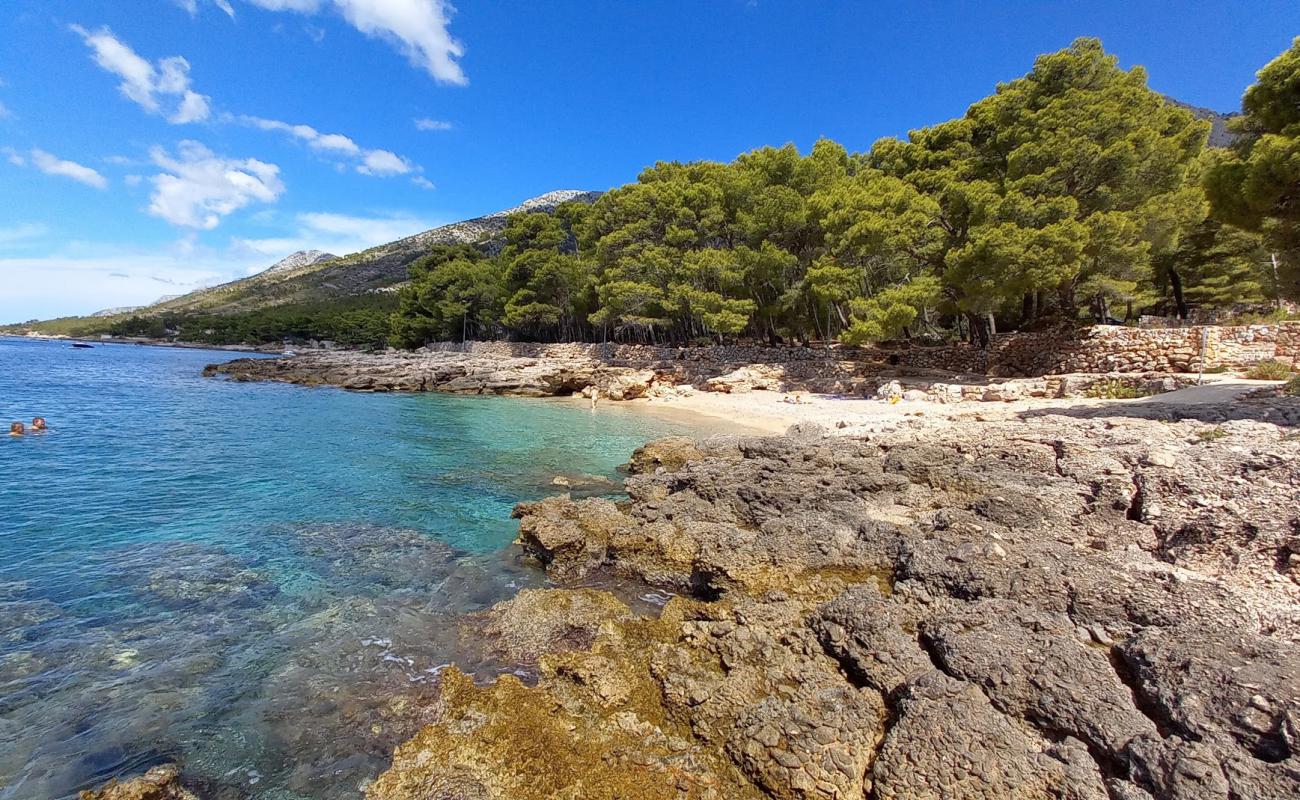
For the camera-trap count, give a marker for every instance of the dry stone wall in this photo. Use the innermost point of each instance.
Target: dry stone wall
(1100, 348)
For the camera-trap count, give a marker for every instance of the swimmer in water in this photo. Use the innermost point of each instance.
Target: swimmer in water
(16, 429)
(38, 425)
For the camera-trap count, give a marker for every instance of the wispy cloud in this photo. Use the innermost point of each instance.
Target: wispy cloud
(326, 142)
(192, 6)
(147, 84)
(418, 28)
(5, 113)
(198, 188)
(336, 233)
(426, 124)
(53, 165)
(378, 163)
(423, 182)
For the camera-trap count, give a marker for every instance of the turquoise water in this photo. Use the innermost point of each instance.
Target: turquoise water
(258, 581)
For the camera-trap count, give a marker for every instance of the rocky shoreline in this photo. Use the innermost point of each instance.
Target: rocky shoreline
(1069, 606)
(569, 370)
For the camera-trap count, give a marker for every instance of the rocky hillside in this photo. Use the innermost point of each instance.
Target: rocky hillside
(302, 258)
(312, 275)
(1220, 136)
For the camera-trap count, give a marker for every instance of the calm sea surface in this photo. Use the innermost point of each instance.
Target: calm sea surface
(258, 581)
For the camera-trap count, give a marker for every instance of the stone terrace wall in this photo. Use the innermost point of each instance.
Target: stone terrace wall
(1109, 348)
(1100, 348)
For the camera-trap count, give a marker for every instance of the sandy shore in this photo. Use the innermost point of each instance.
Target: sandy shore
(768, 412)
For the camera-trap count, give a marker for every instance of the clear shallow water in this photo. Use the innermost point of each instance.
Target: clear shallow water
(259, 581)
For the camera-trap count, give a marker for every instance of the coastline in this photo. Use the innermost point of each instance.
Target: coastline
(223, 348)
(848, 398)
(836, 602)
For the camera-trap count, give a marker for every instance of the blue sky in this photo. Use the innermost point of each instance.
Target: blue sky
(149, 147)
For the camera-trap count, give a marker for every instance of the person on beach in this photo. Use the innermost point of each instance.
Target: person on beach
(38, 425)
(16, 429)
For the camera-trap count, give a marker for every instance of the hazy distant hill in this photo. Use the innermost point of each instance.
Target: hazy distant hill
(312, 275)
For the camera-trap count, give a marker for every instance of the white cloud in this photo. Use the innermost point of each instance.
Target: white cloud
(378, 163)
(133, 180)
(145, 83)
(198, 188)
(416, 27)
(14, 157)
(192, 6)
(423, 182)
(335, 233)
(426, 124)
(5, 113)
(52, 165)
(383, 163)
(326, 142)
(193, 108)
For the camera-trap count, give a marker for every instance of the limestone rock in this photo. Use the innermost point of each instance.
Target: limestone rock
(767, 377)
(159, 783)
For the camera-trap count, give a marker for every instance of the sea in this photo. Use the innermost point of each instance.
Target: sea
(259, 582)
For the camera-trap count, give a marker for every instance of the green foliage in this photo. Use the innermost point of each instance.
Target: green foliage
(1216, 265)
(1065, 181)
(1115, 389)
(455, 292)
(1074, 190)
(356, 322)
(1207, 435)
(890, 311)
(1269, 370)
(1292, 387)
(1254, 186)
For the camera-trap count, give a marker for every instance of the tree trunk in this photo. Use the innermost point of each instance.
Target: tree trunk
(1176, 284)
(979, 328)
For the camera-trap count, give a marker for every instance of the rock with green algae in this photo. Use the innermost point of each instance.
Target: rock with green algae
(159, 783)
(711, 700)
(538, 621)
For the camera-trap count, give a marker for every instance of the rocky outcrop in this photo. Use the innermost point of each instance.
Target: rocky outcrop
(159, 783)
(455, 373)
(1054, 607)
(768, 377)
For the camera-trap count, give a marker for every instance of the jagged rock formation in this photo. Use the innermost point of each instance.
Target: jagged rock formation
(1054, 607)
(302, 258)
(1220, 134)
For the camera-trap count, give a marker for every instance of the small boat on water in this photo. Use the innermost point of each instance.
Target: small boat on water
(82, 345)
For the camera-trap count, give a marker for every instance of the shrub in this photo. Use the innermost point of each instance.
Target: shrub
(1270, 370)
(1292, 387)
(1211, 434)
(1114, 389)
